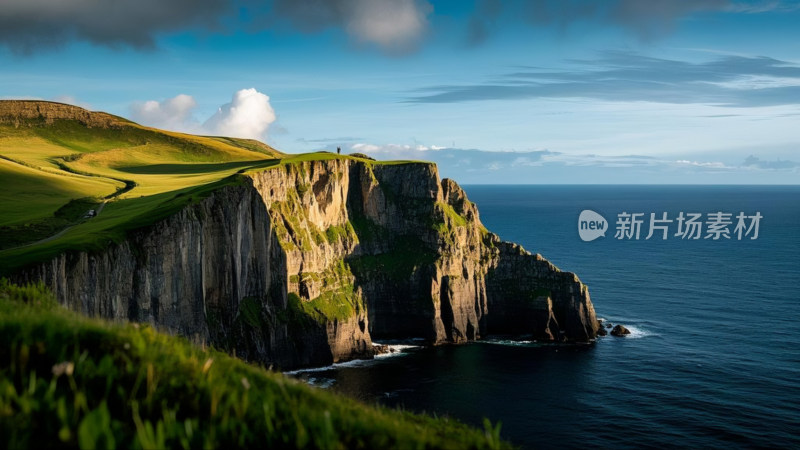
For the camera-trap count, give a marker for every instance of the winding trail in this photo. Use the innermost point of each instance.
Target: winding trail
(62, 232)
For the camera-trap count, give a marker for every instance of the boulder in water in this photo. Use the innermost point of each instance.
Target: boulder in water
(620, 331)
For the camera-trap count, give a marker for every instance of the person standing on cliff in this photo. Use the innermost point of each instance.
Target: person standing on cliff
(338, 150)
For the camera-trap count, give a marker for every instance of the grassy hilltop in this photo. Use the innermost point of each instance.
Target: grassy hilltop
(55, 168)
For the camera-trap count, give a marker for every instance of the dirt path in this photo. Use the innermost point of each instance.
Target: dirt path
(61, 233)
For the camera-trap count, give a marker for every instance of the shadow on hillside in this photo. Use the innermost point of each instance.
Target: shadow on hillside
(192, 168)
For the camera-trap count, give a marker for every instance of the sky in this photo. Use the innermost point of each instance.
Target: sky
(517, 91)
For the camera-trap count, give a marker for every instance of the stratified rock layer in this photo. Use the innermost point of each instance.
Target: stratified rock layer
(304, 264)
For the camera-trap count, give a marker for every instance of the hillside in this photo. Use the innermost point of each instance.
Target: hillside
(70, 382)
(59, 161)
(52, 154)
(286, 260)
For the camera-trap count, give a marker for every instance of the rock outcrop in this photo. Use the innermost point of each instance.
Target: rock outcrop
(304, 264)
(620, 331)
(36, 113)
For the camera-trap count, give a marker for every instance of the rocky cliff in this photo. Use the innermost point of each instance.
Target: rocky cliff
(304, 264)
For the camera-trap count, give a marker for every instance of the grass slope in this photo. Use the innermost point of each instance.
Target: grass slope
(143, 173)
(72, 382)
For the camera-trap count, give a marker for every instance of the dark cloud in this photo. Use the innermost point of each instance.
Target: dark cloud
(27, 25)
(620, 76)
(482, 20)
(648, 18)
(394, 26)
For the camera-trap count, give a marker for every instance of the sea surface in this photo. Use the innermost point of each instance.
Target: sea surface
(713, 360)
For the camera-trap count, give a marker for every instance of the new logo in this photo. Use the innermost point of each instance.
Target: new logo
(591, 225)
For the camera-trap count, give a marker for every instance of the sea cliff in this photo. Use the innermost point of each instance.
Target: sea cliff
(305, 263)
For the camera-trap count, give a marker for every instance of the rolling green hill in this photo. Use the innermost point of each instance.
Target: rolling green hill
(67, 381)
(58, 162)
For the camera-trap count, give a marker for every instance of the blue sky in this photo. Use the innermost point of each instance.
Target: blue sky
(570, 91)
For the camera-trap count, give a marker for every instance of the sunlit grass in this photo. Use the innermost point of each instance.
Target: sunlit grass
(70, 381)
(28, 194)
(49, 165)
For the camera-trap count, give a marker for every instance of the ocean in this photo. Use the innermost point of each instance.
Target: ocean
(713, 359)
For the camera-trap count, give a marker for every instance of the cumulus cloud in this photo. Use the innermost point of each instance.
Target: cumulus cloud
(248, 115)
(171, 114)
(395, 26)
(27, 25)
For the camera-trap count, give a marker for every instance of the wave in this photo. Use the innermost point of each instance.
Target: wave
(638, 332)
(394, 350)
(510, 342)
(322, 383)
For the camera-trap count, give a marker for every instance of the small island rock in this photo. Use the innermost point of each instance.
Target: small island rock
(620, 331)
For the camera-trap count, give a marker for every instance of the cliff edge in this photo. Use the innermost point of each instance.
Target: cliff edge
(305, 263)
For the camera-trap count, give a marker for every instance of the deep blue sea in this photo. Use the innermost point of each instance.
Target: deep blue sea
(714, 357)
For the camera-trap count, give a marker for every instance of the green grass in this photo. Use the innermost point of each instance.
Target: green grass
(72, 213)
(145, 174)
(73, 382)
(28, 195)
(117, 219)
(336, 233)
(337, 301)
(455, 218)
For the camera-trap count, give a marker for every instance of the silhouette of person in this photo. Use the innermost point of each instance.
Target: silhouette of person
(338, 150)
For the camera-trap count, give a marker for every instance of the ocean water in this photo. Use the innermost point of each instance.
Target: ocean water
(714, 357)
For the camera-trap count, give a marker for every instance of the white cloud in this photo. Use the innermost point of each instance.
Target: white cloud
(171, 114)
(392, 148)
(248, 115)
(709, 164)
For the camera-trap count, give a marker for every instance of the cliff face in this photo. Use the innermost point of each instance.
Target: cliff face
(304, 264)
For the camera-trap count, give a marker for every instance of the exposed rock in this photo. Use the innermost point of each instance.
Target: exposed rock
(601, 331)
(619, 331)
(35, 113)
(304, 264)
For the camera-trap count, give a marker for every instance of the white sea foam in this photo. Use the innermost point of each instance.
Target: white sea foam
(638, 332)
(510, 342)
(395, 350)
(323, 383)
